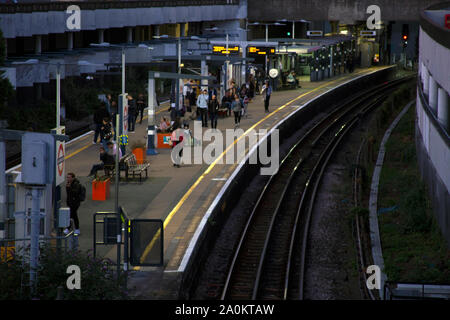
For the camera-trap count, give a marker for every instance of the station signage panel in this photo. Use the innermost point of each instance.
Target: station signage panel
(314, 33)
(60, 156)
(368, 33)
(223, 50)
(261, 50)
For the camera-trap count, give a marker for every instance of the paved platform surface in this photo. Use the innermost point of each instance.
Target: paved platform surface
(178, 196)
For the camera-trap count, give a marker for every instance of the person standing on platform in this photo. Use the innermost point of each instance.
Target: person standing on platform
(108, 104)
(226, 102)
(266, 93)
(74, 191)
(106, 132)
(140, 103)
(237, 109)
(131, 114)
(99, 114)
(251, 85)
(202, 106)
(192, 101)
(213, 108)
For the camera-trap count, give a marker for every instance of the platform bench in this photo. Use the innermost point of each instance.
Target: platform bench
(132, 167)
(110, 169)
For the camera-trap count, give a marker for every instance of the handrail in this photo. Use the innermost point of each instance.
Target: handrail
(110, 4)
(43, 238)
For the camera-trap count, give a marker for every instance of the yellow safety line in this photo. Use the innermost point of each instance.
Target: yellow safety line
(211, 166)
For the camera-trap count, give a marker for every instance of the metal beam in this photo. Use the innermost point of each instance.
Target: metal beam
(6, 134)
(208, 57)
(177, 76)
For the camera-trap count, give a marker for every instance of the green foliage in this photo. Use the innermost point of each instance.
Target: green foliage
(10, 272)
(415, 205)
(98, 277)
(394, 102)
(80, 101)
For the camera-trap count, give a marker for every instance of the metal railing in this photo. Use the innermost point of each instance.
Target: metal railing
(414, 291)
(8, 246)
(42, 5)
(136, 255)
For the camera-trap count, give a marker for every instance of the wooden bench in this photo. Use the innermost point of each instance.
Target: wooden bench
(110, 170)
(132, 167)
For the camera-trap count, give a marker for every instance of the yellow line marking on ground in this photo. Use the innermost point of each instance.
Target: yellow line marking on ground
(212, 165)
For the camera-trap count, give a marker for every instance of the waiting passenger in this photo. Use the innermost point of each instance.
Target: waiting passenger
(164, 125)
(107, 164)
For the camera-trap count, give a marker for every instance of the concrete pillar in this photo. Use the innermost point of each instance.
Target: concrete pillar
(331, 62)
(432, 96)
(421, 72)
(443, 111)
(244, 63)
(129, 35)
(182, 29)
(70, 41)
(426, 81)
(101, 35)
(204, 70)
(37, 44)
(3, 186)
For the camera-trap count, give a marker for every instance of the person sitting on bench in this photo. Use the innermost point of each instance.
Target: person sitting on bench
(107, 164)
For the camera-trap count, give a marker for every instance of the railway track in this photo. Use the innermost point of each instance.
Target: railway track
(270, 257)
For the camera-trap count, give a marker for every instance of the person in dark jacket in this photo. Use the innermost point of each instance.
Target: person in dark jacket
(140, 106)
(132, 111)
(106, 132)
(213, 108)
(108, 163)
(99, 114)
(73, 191)
(226, 101)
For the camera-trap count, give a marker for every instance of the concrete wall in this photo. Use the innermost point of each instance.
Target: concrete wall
(29, 24)
(433, 156)
(338, 10)
(436, 59)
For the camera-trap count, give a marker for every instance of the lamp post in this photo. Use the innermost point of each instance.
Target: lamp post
(122, 47)
(178, 40)
(58, 79)
(267, 35)
(227, 40)
(117, 121)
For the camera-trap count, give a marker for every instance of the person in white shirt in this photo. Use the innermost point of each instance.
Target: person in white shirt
(202, 104)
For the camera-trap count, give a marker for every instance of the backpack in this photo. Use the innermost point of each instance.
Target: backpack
(82, 193)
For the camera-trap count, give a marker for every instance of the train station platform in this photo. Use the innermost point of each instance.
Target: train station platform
(181, 197)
